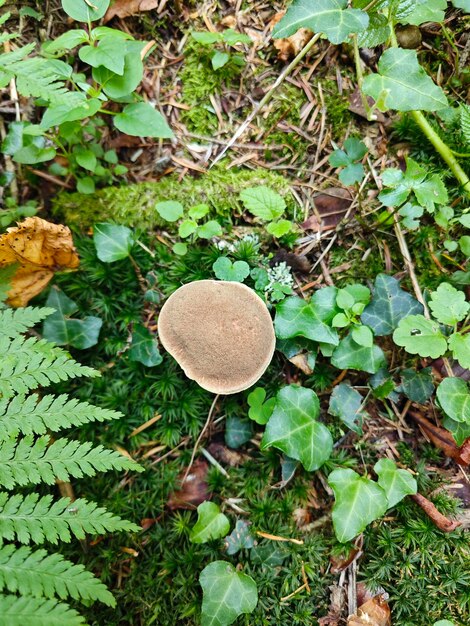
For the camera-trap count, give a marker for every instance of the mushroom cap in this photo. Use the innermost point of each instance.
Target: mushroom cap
(220, 333)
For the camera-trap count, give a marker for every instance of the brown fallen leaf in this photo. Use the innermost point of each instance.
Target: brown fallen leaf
(40, 249)
(443, 439)
(374, 612)
(193, 491)
(331, 206)
(335, 610)
(291, 46)
(301, 361)
(125, 8)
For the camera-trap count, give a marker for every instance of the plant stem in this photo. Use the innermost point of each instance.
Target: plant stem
(360, 78)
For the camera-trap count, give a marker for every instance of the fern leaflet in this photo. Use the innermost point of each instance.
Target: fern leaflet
(13, 322)
(16, 611)
(465, 122)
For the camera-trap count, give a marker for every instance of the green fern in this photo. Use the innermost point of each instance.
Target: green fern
(465, 121)
(26, 415)
(37, 612)
(38, 577)
(37, 573)
(28, 461)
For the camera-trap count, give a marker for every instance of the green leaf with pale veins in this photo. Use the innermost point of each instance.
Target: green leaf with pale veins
(112, 242)
(427, 11)
(263, 202)
(402, 84)
(294, 429)
(144, 347)
(226, 594)
(211, 523)
(420, 336)
(237, 431)
(460, 346)
(396, 483)
(330, 17)
(417, 386)
(453, 395)
(388, 306)
(358, 502)
(460, 430)
(63, 330)
(295, 317)
(448, 304)
(349, 355)
(240, 538)
(347, 404)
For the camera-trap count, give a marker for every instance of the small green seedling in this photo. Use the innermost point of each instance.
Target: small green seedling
(349, 160)
(269, 207)
(225, 40)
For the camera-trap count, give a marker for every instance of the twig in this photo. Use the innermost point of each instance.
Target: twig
(441, 521)
(267, 96)
(201, 435)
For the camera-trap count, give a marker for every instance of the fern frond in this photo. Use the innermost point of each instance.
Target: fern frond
(27, 461)
(8, 59)
(465, 121)
(28, 363)
(13, 322)
(28, 416)
(36, 519)
(16, 611)
(37, 573)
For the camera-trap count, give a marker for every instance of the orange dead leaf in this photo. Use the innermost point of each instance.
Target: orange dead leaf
(291, 46)
(374, 612)
(40, 249)
(125, 8)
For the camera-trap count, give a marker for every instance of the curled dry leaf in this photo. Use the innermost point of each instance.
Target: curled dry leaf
(194, 490)
(443, 439)
(331, 206)
(291, 46)
(40, 249)
(374, 612)
(125, 8)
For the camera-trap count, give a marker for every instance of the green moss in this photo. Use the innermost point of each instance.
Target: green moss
(337, 109)
(134, 205)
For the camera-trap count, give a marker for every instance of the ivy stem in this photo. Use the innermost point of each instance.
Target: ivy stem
(441, 147)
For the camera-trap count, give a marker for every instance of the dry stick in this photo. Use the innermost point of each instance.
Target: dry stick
(201, 435)
(267, 96)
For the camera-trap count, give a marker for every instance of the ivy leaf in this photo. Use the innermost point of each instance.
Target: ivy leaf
(144, 347)
(420, 336)
(330, 17)
(211, 523)
(170, 210)
(240, 538)
(224, 269)
(349, 355)
(448, 304)
(226, 594)
(460, 430)
(237, 431)
(295, 317)
(388, 306)
(460, 346)
(454, 397)
(142, 120)
(263, 202)
(402, 84)
(112, 242)
(346, 403)
(260, 409)
(293, 428)
(417, 386)
(396, 483)
(63, 330)
(358, 502)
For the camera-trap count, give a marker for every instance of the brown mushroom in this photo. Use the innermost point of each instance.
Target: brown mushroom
(219, 332)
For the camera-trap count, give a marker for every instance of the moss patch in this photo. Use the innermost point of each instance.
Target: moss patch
(134, 205)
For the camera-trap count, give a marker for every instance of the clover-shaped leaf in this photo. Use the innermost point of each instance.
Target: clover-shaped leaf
(260, 409)
(224, 269)
(402, 84)
(453, 395)
(358, 502)
(396, 483)
(389, 305)
(211, 523)
(349, 158)
(226, 594)
(263, 202)
(420, 336)
(350, 355)
(333, 18)
(448, 304)
(411, 214)
(294, 429)
(347, 404)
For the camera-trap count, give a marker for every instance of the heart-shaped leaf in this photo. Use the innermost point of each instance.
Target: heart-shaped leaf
(226, 594)
(293, 428)
(388, 306)
(396, 483)
(295, 317)
(211, 523)
(454, 397)
(224, 269)
(144, 347)
(349, 355)
(347, 404)
(420, 336)
(63, 330)
(330, 17)
(402, 84)
(358, 502)
(112, 242)
(170, 210)
(448, 304)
